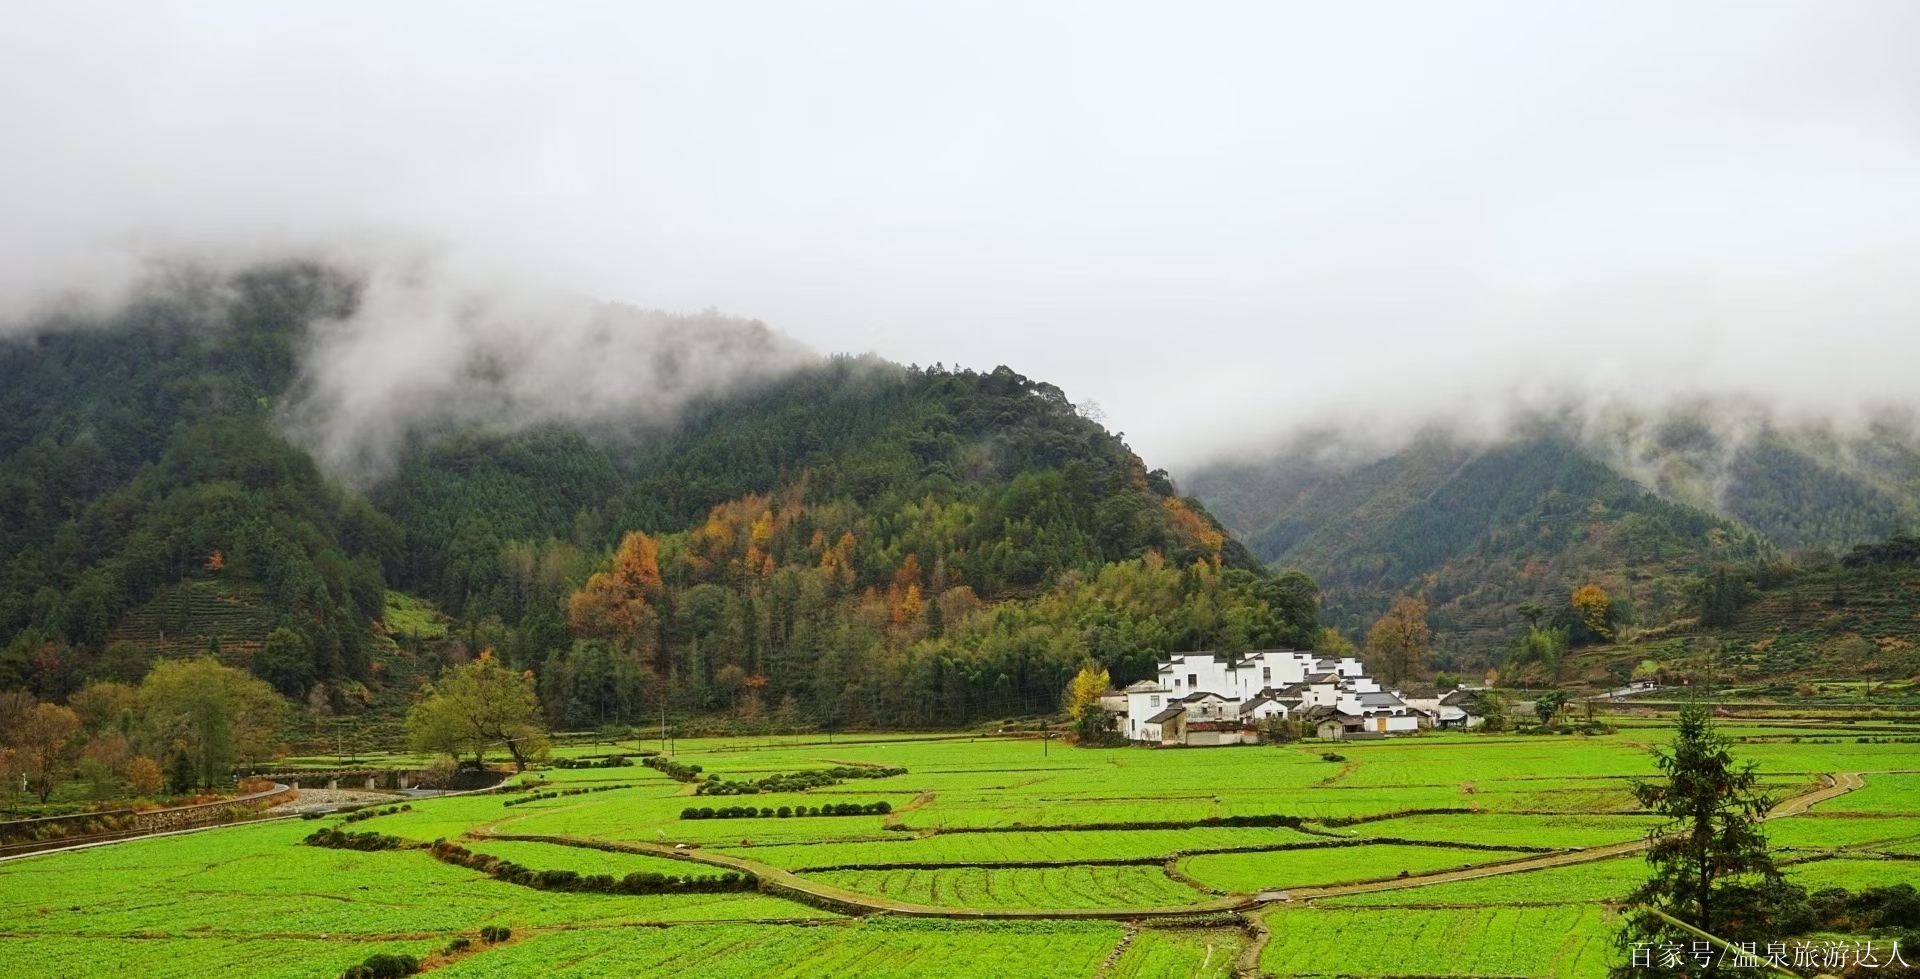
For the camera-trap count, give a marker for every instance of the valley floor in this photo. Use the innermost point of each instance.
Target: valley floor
(1459, 855)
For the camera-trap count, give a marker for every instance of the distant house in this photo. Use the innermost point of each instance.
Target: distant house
(1264, 705)
(1167, 727)
(1204, 699)
(1445, 709)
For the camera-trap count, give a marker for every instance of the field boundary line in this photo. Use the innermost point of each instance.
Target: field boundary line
(1836, 785)
(793, 885)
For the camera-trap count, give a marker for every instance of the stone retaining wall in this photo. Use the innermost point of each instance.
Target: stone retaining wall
(209, 813)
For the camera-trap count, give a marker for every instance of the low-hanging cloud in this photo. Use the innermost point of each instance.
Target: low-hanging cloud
(1224, 223)
(430, 348)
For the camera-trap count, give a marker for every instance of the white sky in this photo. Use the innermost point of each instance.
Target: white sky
(1218, 221)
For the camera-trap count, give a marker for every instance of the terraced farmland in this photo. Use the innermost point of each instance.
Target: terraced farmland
(982, 829)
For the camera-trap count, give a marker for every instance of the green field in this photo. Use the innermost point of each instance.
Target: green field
(981, 827)
(1050, 887)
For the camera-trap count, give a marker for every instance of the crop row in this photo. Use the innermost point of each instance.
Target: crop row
(1052, 887)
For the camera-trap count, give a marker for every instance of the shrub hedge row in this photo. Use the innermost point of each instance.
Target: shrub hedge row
(570, 880)
(672, 769)
(334, 839)
(557, 793)
(1291, 822)
(369, 812)
(880, 808)
(610, 761)
(795, 781)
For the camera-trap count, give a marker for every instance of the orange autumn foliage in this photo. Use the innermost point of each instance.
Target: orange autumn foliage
(613, 604)
(1189, 528)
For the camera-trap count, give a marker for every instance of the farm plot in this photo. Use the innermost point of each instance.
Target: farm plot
(1127, 886)
(257, 880)
(1008, 814)
(1055, 846)
(877, 949)
(586, 861)
(1570, 831)
(1452, 760)
(1580, 883)
(69, 957)
(1852, 874)
(1244, 873)
(1542, 943)
(1813, 831)
(1186, 953)
(1894, 793)
(658, 819)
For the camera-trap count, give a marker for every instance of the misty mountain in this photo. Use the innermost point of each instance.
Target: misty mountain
(1642, 506)
(848, 539)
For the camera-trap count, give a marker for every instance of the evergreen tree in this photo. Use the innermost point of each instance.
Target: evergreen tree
(1710, 865)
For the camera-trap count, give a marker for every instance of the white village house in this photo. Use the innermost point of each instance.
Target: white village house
(1202, 699)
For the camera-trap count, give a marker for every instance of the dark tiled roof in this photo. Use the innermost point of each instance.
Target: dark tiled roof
(1166, 715)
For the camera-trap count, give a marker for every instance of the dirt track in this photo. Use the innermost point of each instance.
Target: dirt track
(815, 892)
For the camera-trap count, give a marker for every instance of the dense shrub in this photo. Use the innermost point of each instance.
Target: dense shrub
(880, 808)
(574, 881)
(522, 800)
(1330, 756)
(356, 815)
(460, 943)
(610, 761)
(492, 934)
(334, 839)
(672, 769)
(383, 966)
(796, 781)
(1291, 822)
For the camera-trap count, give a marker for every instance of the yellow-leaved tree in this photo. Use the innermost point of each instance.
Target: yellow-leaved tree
(1083, 701)
(1084, 690)
(1594, 607)
(1397, 643)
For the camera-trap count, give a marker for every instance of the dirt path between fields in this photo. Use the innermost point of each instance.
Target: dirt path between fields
(814, 892)
(1837, 785)
(788, 884)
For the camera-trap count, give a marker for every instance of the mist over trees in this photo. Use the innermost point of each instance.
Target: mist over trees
(844, 544)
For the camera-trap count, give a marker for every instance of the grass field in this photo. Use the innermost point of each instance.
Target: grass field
(980, 826)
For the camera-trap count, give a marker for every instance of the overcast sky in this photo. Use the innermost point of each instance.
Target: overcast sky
(1217, 221)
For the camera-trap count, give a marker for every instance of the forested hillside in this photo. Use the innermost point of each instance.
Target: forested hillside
(1831, 630)
(849, 543)
(1646, 509)
(142, 453)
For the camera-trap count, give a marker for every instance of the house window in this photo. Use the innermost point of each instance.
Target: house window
(1154, 700)
(1176, 684)
(1266, 676)
(1193, 680)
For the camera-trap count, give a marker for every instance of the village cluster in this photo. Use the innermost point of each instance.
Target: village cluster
(1203, 699)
